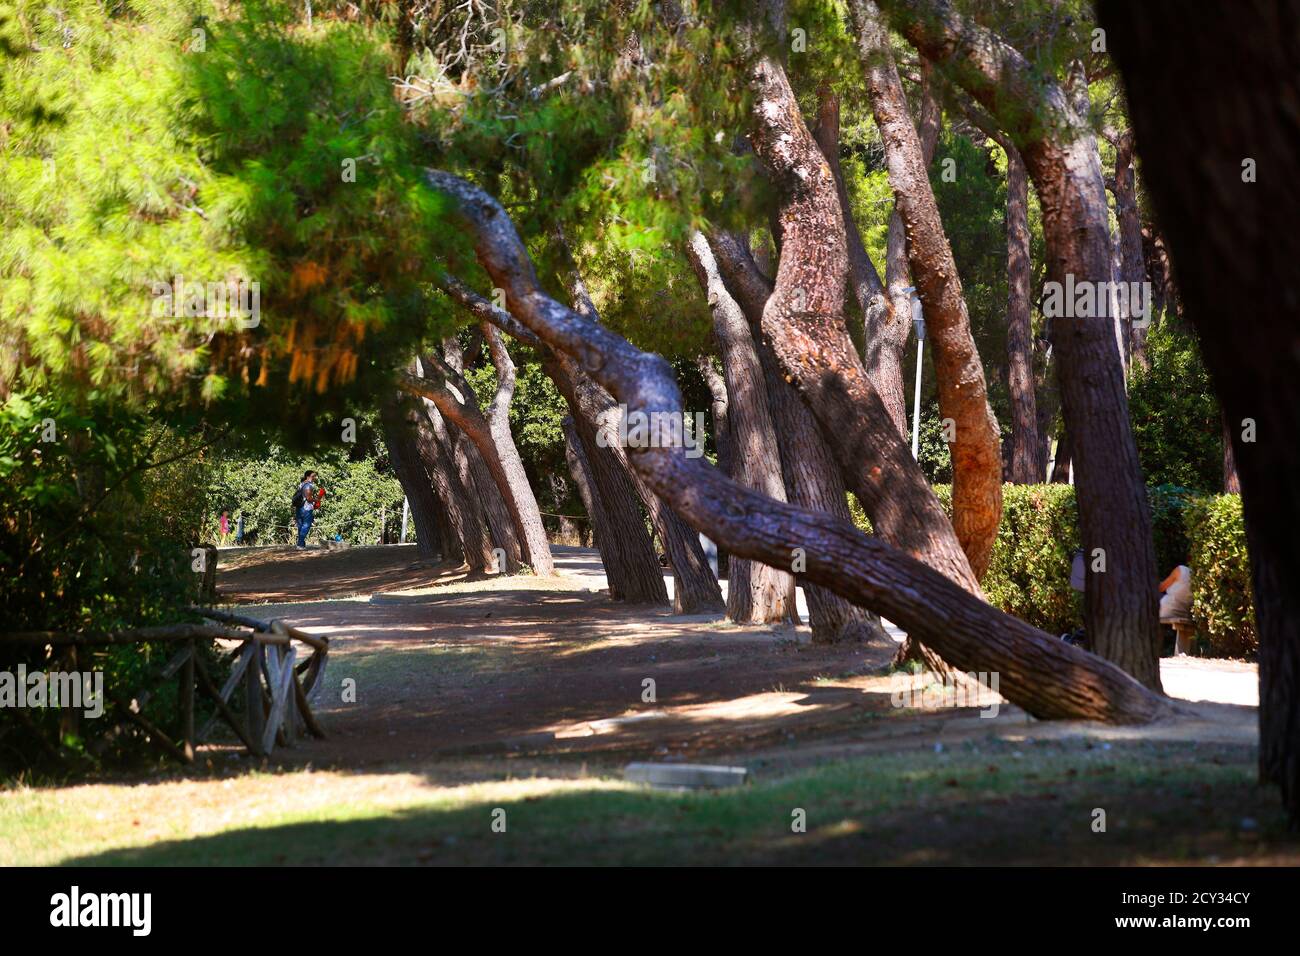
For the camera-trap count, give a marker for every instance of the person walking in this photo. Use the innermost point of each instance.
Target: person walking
(304, 505)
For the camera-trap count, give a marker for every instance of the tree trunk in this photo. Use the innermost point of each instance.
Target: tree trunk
(580, 471)
(865, 282)
(812, 479)
(803, 319)
(1046, 676)
(695, 589)
(721, 432)
(963, 396)
(1026, 465)
(1060, 153)
(404, 458)
(436, 451)
(1231, 480)
(1061, 466)
(537, 549)
(626, 548)
(1132, 265)
(468, 438)
(756, 593)
(1244, 84)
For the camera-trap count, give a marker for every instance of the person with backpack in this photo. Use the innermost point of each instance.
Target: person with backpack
(304, 505)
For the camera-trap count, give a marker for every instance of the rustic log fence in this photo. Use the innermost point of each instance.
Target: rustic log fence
(278, 684)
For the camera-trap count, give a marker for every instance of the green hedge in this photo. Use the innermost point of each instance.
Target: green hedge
(1222, 601)
(1029, 571)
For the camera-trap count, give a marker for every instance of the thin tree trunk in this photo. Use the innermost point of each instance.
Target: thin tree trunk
(1061, 466)
(864, 280)
(1132, 266)
(1026, 465)
(1231, 479)
(467, 436)
(625, 546)
(963, 396)
(537, 549)
(580, 471)
(717, 386)
(436, 451)
(1060, 153)
(1046, 676)
(756, 593)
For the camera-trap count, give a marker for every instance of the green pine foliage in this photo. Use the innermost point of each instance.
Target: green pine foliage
(159, 139)
(1175, 414)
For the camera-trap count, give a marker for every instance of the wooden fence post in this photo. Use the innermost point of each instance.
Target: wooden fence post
(253, 697)
(187, 703)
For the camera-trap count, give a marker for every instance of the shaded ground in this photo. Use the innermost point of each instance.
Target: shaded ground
(527, 665)
(519, 701)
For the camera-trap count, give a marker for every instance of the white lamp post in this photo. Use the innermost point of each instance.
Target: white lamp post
(918, 323)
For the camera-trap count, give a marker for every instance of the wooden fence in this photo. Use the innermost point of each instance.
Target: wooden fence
(278, 683)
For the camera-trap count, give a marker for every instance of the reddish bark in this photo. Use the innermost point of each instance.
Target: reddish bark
(963, 395)
(1061, 155)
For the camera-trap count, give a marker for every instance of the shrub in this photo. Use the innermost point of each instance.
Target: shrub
(101, 510)
(1029, 571)
(1222, 601)
(358, 496)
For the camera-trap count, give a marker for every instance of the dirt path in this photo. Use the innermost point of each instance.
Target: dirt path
(529, 667)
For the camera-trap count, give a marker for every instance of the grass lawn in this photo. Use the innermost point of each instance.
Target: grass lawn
(995, 802)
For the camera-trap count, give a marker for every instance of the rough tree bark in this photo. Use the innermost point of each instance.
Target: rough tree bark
(695, 589)
(756, 593)
(1239, 66)
(463, 514)
(435, 381)
(812, 478)
(1061, 155)
(1027, 466)
(1046, 676)
(1061, 465)
(804, 322)
(1132, 265)
(444, 384)
(404, 456)
(976, 447)
(529, 516)
(864, 280)
(626, 550)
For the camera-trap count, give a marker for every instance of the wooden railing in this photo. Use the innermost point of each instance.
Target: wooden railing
(278, 684)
